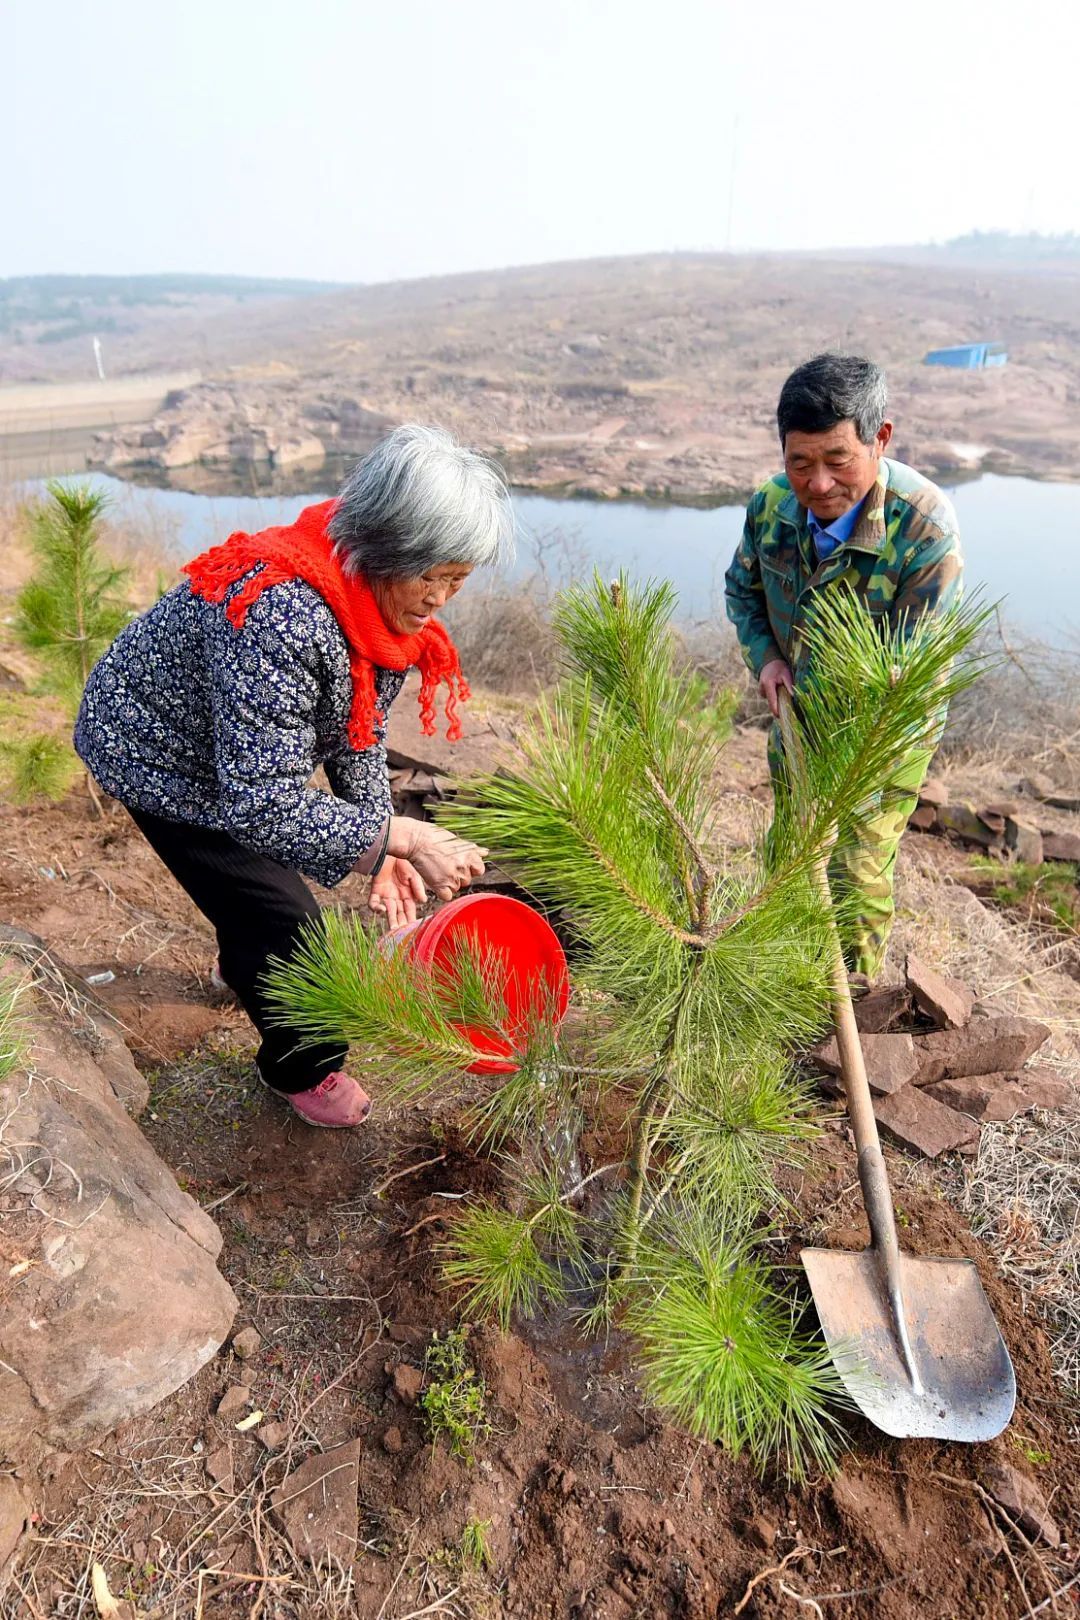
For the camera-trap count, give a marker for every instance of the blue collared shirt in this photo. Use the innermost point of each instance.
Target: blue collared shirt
(826, 539)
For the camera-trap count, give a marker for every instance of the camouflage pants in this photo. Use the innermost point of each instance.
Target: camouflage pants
(861, 869)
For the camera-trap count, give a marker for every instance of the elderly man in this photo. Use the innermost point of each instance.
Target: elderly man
(842, 514)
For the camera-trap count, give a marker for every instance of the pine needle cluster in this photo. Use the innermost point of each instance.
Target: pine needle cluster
(707, 969)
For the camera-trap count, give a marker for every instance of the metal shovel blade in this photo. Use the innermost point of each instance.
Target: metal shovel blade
(963, 1386)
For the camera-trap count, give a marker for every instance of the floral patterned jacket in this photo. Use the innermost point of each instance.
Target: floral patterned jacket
(189, 718)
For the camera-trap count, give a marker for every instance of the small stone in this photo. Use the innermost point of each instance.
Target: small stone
(668, 1527)
(408, 1381)
(567, 1481)
(219, 1465)
(919, 1121)
(247, 1342)
(1038, 786)
(391, 1440)
(923, 818)
(1023, 1501)
(272, 1435)
(1059, 846)
(934, 792)
(994, 819)
(890, 1060)
(234, 1400)
(984, 1046)
(946, 1002)
(1025, 841)
(403, 1332)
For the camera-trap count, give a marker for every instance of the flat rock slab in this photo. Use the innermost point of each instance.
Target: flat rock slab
(946, 1002)
(966, 824)
(882, 1007)
(1045, 1088)
(985, 1046)
(1000, 1097)
(316, 1505)
(891, 1061)
(1025, 841)
(1023, 1501)
(1061, 846)
(916, 1120)
(982, 1096)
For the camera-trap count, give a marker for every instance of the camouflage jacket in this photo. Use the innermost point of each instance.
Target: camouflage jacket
(903, 557)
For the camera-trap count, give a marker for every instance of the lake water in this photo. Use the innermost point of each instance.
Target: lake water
(1020, 539)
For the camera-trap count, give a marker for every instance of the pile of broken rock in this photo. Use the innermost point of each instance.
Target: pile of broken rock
(1007, 828)
(940, 1066)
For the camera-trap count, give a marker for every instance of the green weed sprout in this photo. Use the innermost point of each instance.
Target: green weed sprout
(475, 1546)
(454, 1399)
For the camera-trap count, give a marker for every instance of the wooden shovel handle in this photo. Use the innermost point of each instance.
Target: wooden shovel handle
(872, 1174)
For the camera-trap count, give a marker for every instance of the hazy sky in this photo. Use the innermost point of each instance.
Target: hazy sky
(362, 140)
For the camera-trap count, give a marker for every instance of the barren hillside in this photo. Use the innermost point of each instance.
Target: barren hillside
(654, 375)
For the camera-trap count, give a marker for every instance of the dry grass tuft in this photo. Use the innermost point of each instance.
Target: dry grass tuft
(1022, 1196)
(1023, 715)
(1022, 1193)
(1004, 962)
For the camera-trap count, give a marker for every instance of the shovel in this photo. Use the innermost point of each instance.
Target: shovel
(913, 1339)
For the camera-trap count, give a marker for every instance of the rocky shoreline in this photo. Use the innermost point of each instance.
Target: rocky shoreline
(222, 424)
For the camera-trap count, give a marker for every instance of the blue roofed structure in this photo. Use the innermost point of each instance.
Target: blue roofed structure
(968, 356)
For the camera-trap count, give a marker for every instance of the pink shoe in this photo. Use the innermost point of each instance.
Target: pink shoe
(335, 1103)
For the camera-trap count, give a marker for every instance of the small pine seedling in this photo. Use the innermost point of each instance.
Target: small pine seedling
(41, 766)
(454, 1400)
(68, 612)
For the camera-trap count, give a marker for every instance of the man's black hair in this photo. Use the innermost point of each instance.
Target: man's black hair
(833, 388)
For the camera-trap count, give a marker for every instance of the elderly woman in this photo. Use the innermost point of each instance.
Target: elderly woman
(283, 651)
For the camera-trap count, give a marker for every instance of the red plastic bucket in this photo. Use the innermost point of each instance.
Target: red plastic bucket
(505, 930)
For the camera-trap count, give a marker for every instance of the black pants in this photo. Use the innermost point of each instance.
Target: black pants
(257, 907)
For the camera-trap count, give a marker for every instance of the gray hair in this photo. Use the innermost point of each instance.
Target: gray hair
(417, 500)
(833, 388)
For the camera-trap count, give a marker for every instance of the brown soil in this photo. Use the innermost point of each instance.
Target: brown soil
(597, 1507)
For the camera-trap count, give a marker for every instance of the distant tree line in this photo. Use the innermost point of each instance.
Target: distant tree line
(59, 307)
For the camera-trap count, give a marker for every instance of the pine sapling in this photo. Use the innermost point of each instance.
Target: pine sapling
(68, 613)
(704, 969)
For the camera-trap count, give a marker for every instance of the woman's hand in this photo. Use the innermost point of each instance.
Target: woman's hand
(446, 862)
(396, 892)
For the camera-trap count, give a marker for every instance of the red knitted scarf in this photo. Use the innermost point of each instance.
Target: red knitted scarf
(303, 550)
